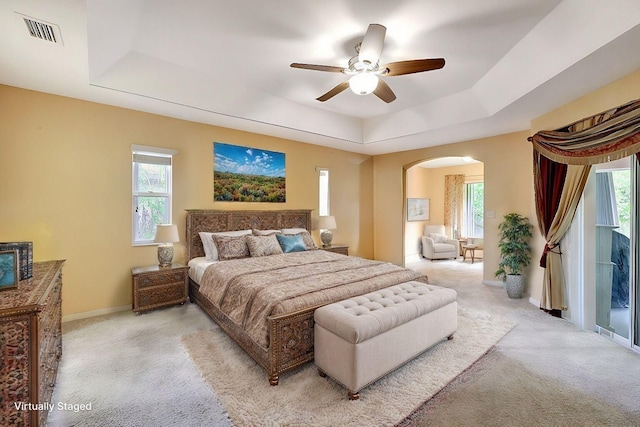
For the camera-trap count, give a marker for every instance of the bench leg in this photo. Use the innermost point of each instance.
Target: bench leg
(274, 379)
(353, 396)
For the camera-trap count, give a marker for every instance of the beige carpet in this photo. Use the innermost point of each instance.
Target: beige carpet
(546, 372)
(499, 391)
(304, 398)
(136, 372)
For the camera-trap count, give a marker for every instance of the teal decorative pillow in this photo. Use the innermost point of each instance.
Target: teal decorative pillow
(306, 237)
(292, 243)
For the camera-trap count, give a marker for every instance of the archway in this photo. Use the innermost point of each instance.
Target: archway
(424, 192)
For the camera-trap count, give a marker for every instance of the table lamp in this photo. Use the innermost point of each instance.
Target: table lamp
(326, 224)
(166, 235)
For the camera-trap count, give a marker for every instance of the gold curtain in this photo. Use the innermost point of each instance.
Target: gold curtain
(553, 289)
(453, 204)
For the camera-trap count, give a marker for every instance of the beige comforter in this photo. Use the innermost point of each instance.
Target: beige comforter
(249, 290)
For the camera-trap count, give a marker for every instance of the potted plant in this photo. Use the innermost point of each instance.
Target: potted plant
(515, 252)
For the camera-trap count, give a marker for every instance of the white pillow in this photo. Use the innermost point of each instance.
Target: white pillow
(293, 230)
(264, 232)
(438, 238)
(210, 249)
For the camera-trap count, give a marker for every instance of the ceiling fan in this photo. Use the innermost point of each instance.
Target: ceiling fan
(365, 70)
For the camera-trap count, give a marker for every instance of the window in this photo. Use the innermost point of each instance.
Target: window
(323, 203)
(474, 210)
(151, 205)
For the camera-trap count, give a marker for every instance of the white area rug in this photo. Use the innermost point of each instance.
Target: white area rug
(305, 398)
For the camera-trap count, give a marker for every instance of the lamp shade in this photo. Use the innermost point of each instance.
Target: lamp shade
(327, 222)
(166, 233)
(363, 83)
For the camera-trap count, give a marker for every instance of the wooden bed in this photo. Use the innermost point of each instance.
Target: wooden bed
(290, 335)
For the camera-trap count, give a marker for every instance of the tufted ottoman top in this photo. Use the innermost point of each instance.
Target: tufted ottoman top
(359, 318)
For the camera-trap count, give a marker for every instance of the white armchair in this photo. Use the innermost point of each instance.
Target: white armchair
(436, 245)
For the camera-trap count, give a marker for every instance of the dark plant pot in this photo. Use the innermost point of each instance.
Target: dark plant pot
(514, 285)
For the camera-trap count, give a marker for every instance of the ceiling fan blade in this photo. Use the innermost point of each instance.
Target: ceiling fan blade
(333, 92)
(371, 46)
(413, 66)
(329, 68)
(384, 92)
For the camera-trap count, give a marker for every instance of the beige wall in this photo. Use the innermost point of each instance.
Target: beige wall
(429, 183)
(66, 178)
(508, 188)
(508, 178)
(417, 187)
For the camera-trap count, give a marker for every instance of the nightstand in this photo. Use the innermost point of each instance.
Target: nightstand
(154, 286)
(339, 249)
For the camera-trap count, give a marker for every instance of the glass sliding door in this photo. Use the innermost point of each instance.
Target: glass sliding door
(614, 250)
(635, 254)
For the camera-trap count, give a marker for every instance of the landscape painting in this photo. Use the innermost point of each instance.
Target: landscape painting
(245, 174)
(417, 209)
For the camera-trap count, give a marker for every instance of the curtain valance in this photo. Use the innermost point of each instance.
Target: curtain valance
(601, 138)
(562, 161)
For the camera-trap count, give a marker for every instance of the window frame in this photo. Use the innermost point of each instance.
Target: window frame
(468, 212)
(324, 205)
(164, 153)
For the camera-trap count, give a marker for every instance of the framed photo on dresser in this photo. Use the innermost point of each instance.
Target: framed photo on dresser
(8, 270)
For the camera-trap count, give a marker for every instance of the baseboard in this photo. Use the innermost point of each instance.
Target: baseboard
(94, 313)
(534, 301)
(498, 283)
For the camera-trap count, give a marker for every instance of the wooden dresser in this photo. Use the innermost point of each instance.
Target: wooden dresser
(30, 345)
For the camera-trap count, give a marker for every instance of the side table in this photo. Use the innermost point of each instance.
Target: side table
(463, 241)
(154, 286)
(339, 249)
(471, 249)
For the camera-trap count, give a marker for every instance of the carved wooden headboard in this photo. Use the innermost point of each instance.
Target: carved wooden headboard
(216, 220)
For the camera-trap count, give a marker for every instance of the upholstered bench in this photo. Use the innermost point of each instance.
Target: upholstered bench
(361, 339)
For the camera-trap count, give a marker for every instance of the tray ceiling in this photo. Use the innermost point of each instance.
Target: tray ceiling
(227, 63)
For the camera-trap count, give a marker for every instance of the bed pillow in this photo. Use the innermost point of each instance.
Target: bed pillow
(263, 245)
(293, 230)
(231, 247)
(306, 237)
(208, 246)
(438, 238)
(210, 249)
(264, 232)
(291, 243)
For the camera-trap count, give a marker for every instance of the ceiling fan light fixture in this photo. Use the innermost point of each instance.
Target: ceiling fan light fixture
(363, 83)
(364, 69)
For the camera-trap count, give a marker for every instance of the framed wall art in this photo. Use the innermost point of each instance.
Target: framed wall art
(8, 270)
(417, 209)
(245, 174)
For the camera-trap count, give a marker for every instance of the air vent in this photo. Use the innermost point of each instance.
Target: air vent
(43, 30)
